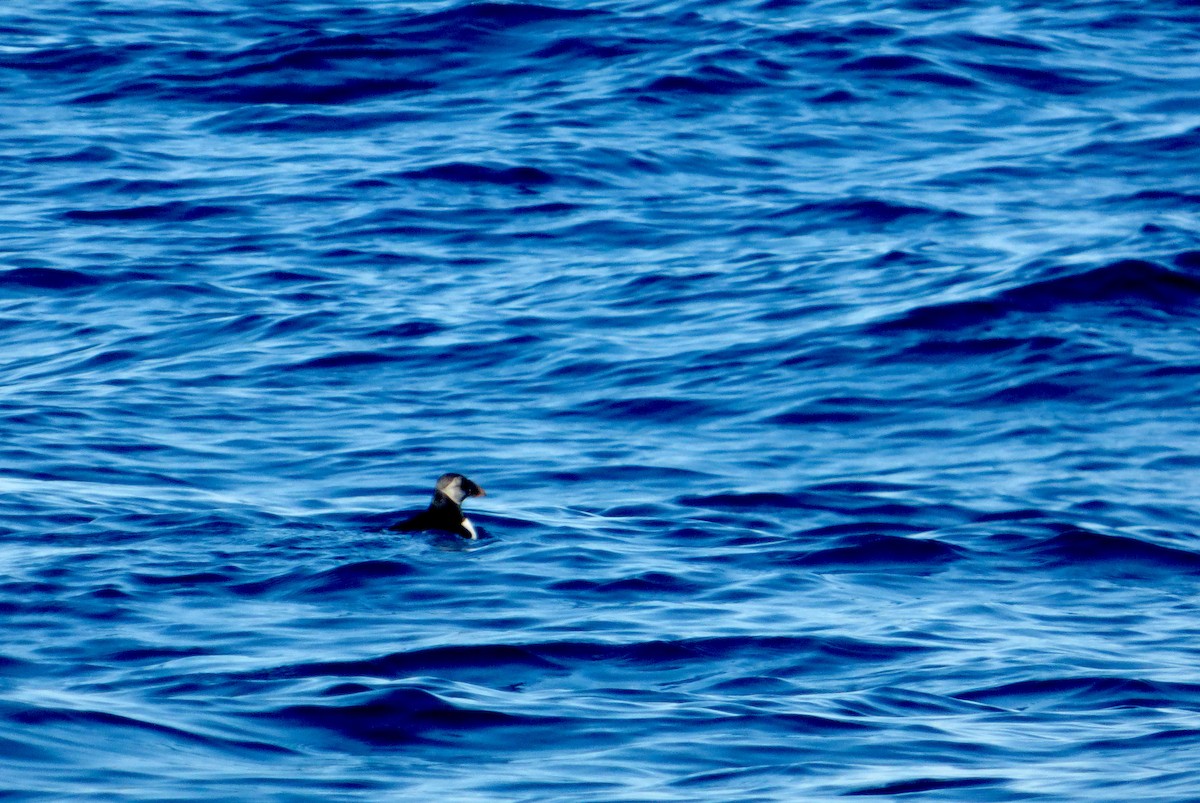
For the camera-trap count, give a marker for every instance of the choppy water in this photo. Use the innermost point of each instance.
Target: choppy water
(831, 367)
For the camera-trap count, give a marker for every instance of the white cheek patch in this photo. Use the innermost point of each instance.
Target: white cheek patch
(469, 527)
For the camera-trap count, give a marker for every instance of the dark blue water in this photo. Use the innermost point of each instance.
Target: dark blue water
(831, 368)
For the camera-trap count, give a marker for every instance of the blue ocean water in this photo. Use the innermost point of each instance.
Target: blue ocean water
(830, 366)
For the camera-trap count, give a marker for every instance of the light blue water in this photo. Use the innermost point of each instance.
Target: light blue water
(830, 368)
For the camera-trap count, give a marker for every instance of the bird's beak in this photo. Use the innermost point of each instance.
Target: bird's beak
(474, 490)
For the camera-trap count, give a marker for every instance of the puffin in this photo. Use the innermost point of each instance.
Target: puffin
(445, 511)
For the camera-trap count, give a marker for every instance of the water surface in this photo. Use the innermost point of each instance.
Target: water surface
(831, 368)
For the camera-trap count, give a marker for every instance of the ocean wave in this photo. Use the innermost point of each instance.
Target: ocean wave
(865, 210)
(578, 656)
(1086, 694)
(1053, 82)
(918, 785)
(171, 212)
(1131, 282)
(47, 279)
(396, 716)
(133, 728)
(1080, 547)
(709, 80)
(474, 173)
(868, 553)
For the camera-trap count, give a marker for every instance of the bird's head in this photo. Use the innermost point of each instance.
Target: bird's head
(457, 487)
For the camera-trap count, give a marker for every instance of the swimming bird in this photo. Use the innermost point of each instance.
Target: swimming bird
(445, 511)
